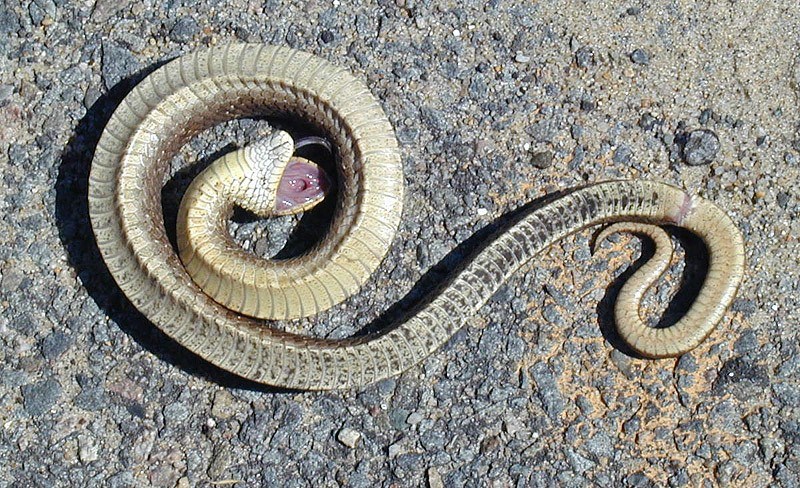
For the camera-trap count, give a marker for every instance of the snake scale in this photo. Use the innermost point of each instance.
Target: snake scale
(197, 91)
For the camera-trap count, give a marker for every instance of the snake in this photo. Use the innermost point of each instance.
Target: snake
(220, 301)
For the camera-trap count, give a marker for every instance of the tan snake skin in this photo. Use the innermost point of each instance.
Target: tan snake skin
(197, 91)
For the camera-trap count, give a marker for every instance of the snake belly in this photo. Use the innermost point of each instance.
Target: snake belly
(197, 91)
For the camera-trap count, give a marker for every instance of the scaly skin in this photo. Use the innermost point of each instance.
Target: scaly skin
(197, 91)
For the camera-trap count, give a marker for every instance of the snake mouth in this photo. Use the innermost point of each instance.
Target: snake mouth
(302, 185)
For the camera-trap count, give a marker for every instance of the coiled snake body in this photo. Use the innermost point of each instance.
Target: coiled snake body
(197, 91)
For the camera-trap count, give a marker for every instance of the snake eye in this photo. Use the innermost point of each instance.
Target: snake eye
(303, 185)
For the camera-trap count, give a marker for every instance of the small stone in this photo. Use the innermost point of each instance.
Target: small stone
(433, 440)
(701, 147)
(397, 418)
(584, 57)
(680, 478)
(219, 463)
(105, 9)
(584, 404)
(631, 426)
(622, 155)
(638, 480)
(88, 450)
(747, 341)
(783, 198)
(326, 36)
(348, 437)
(578, 463)
(640, 56)
(396, 449)
(512, 425)
(647, 121)
(55, 344)
(92, 95)
(163, 475)
(542, 159)
(223, 407)
(705, 116)
(118, 63)
(5, 92)
(242, 34)
(9, 22)
(434, 478)
(478, 88)
(578, 155)
(787, 394)
(414, 418)
(687, 364)
(624, 363)
(790, 158)
(522, 58)
(184, 30)
(39, 397)
(633, 11)
(547, 389)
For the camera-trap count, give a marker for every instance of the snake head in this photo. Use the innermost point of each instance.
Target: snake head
(303, 184)
(275, 182)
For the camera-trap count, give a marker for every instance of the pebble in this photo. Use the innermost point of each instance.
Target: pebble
(105, 9)
(512, 425)
(55, 344)
(787, 393)
(92, 95)
(640, 56)
(5, 92)
(584, 57)
(39, 397)
(118, 63)
(705, 116)
(396, 449)
(587, 104)
(647, 121)
(622, 154)
(220, 461)
(434, 478)
(547, 389)
(184, 30)
(522, 58)
(415, 418)
(701, 147)
(326, 37)
(224, 406)
(348, 437)
(542, 159)
(88, 449)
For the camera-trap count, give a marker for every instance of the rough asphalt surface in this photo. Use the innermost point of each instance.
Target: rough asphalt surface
(494, 105)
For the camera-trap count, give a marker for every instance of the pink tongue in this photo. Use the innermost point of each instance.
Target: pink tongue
(300, 184)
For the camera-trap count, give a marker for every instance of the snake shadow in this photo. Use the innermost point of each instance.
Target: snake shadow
(75, 232)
